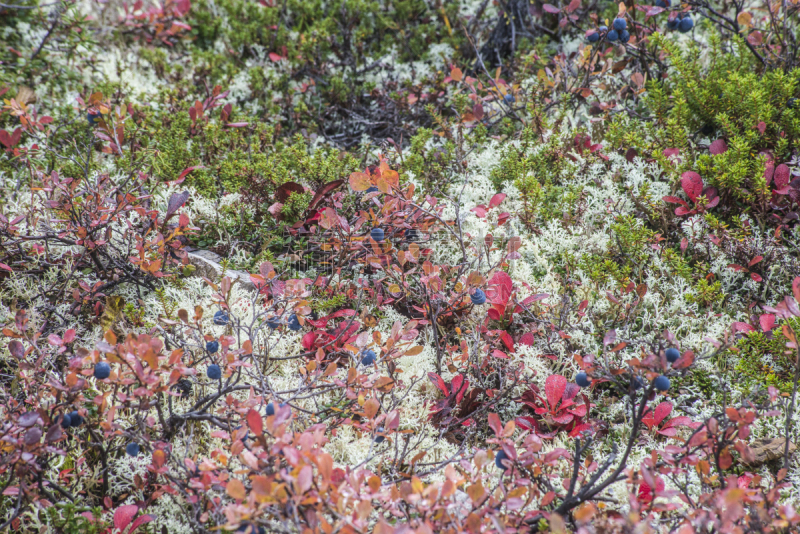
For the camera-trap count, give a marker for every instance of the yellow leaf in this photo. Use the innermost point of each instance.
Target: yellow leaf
(236, 489)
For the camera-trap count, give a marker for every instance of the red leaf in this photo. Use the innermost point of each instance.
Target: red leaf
(762, 127)
(255, 422)
(182, 176)
(554, 388)
(496, 200)
(477, 110)
(439, 383)
(682, 211)
(6, 267)
(495, 424)
(796, 288)
(743, 327)
(499, 354)
(756, 277)
(692, 185)
(718, 147)
(526, 339)
(124, 515)
(662, 411)
(782, 176)
(322, 191)
(550, 8)
(674, 200)
(610, 337)
(737, 268)
(237, 124)
(507, 340)
(767, 321)
(141, 520)
(274, 57)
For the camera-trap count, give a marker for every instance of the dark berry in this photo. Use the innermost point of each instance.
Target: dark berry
(132, 449)
(620, 24)
(294, 323)
(707, 130)
(603, 29)
(221, 318)
(612, 35)
(378, 438)
(273, 322)
(498, 459)
(93, 117)
(369, 357)
(686, 25)
(662, 3)
(661, 383)
(214, 372)
(672, 355)
(594, 37)
(672, 24)
(66, 421)
(624, 36)
(479, 297)
(212, 346)
(377, 234)
(509, 98)
(637, 383)
(582, 379)
(250, 528)
(792, 103)
(372, 189)
(102, 370)
(76, 419)
(270, 409)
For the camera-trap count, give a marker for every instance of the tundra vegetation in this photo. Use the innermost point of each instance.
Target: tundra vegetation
(399, 266)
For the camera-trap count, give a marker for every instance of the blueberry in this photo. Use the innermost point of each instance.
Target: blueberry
(662, 3)
(620, 24)
(661, 383)
(214, 372)
(498, 459)
(377, 234)
(132, 449)
(593, 37)
(273, 322)
(612, 36)
(93, 117)
(479, 297)
(637, 383)
(221, 318)
(603, 29)
(582, 379)
(686, 25)
(102, 370)
(250, 528)
(212, 346)
(294, 323)
(792, 103)
(271, 408)
(379, 439)
(372, 189)
(369, 357)
(624, 36)
(76, 419)
(509, 98)
(672, 354)
(66, 421)
(673, 24)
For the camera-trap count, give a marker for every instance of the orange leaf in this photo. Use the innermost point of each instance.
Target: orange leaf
(236, 489)
(456, 74)
(255, 422)
(359, 181)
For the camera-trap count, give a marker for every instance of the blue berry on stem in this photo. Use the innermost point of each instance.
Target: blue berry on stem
(271, 408)
(498, 459)
(214, 372)
(603, 29)
(672, 24)
(66, 421)
(221, 318)
(273, 322)
(686, 25)
(624, 36)
(76, 419)
(593, 37)
(661, 383)
(612, 36)
(250, 528)
(102, 370)
(478, 297)
(378, 438)
(672, 354)
(509, 98)
(620, 24)
(377, 234)
(662, 3)
(369, 357)
(294, 323)
(372, 189)
(132, 449)
(93, 117)
(582, 379)
(212, 346)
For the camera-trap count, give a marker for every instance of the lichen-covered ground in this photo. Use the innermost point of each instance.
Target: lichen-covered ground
(433, 223)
